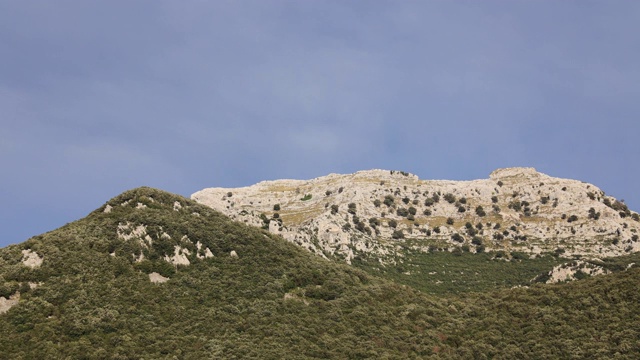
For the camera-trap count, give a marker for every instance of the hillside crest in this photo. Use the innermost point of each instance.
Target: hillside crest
(376, 211)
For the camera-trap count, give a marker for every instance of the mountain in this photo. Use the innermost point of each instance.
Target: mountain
(154, 275)
(516, 209)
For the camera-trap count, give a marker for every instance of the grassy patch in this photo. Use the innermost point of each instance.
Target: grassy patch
(444, 273)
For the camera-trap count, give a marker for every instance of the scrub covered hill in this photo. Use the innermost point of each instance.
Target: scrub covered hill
(155, 275)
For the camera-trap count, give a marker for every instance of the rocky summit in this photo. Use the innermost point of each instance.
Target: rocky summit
(379, 212)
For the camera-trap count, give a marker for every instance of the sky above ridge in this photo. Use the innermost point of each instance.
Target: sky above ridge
(100, 97)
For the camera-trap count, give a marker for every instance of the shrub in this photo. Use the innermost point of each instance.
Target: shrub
(392, 223)
(457, 238)
(480, 211)
(276, 207)
(450, 198)
(402, 212)
(340, 189)
(436, 229)
(276, 215)
(412, 210)
(427, 212)
(435, 198)
(572, 218)
(406, 200)
(334, 209)
(463, 200)
(328, 192)
(449, 221)
(428, 202)
(388, 200)
(476, 240)
(306, 197)
(500, 183)
(229, 194)
(410, 217)
(377, 203)
(494, 199)
(461, 209)
(351, 208)
(398, 234)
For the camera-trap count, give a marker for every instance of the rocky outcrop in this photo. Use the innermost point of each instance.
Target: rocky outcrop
(375, 211)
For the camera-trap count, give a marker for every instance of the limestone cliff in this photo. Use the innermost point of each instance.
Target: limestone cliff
(516, 209)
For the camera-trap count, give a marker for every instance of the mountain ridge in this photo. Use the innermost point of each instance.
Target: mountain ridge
(515, 209)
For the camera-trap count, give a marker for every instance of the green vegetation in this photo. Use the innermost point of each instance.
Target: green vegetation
(91, 299)
(442, 273)
(306, 197)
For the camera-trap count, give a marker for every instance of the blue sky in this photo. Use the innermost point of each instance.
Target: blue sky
(100, 97)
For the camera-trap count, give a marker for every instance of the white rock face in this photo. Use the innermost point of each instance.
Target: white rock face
(179, 256)
(6, 304)
(516, 209)
(31, 259)
(154, 277)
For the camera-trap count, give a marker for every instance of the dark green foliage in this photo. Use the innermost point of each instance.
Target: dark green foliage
(449, 221)
(306, 197)
(406, 200)
(427, 212)
(388, 200)
(397, 234)
(393, 223)
(377, 203)
(494, 199)
(402, 212)
(351, 208)
(412, 210)
(572, 218)
(334, 209)
(461, 209)
(457, 238)
(276, 207)
(480, 211)
(450, 198)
